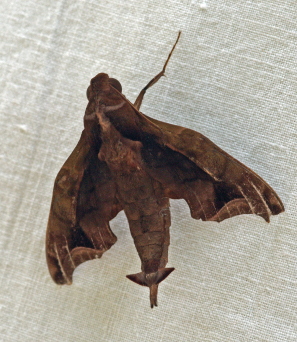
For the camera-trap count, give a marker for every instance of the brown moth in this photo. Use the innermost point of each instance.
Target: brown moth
(128, 161)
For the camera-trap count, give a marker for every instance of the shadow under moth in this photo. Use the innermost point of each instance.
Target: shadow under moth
(128, 161)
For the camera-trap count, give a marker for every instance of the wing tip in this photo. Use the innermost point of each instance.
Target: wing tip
(61, 270)
(242, 206)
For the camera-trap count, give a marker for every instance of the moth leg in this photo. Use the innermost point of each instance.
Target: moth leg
(139, 99)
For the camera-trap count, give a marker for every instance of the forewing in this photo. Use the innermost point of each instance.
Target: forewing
(83, 203)
(215, 185)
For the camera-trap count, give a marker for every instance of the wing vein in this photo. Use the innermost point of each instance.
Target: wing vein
(60, 264)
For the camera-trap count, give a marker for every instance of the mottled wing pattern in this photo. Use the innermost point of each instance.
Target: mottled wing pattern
(84, 201)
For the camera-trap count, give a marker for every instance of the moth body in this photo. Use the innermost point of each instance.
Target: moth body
(143, 201)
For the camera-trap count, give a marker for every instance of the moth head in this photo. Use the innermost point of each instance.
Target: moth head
(101, 84)
(115, 84)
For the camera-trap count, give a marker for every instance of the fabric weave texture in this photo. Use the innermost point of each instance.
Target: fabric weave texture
(233, 78)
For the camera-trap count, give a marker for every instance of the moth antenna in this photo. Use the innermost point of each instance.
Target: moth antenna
(139, 99)
(165, 65)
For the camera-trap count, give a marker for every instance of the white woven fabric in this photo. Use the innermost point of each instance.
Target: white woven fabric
(233, 78)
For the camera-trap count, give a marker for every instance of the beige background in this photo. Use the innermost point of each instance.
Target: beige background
(233, 77)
